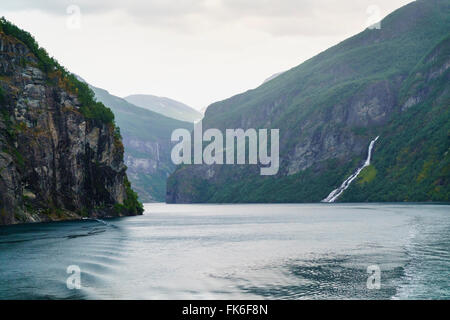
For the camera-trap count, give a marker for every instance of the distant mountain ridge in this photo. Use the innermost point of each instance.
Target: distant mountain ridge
(165, 106)
(392, 82)
(146, 138)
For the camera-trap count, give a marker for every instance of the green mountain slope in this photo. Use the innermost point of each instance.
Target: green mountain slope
(146, 137)
(165, 106)
(412, 162)
(329, 108)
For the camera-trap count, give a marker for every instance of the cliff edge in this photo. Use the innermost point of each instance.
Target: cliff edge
(61, 154)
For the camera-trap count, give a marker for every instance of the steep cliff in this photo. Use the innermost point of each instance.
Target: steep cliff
(329, 108)
(146, 137)
(61, 155)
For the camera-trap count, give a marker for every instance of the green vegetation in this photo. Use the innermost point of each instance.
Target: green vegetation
(367, 175)
(46, 63)
(2, 96)
(412, 155)
(59, 75)
(150, 187)
(143, 126)
(325, 97)
(305, 186)
(139, 122)
(131, 203)
(329, 79)
(11, 133)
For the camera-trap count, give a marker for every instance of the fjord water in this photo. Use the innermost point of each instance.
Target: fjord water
(291, 251)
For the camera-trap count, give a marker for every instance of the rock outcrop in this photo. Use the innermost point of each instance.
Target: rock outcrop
(56, 163)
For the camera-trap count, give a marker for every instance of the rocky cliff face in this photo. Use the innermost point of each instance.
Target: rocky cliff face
(55, 163)
(146, 137)
(328, 109)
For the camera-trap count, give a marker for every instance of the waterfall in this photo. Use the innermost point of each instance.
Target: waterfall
(337, 193)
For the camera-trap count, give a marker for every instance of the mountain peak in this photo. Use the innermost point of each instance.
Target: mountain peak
(165, 106)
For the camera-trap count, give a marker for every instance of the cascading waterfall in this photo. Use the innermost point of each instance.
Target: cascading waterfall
(337, 193)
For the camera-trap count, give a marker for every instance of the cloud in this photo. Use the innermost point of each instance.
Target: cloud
(276, 17)
(195, 51)
(134, 7)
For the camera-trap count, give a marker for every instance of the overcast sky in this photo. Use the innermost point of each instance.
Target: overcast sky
(194, 51)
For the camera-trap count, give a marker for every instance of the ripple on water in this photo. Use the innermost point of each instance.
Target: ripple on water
(233, 252)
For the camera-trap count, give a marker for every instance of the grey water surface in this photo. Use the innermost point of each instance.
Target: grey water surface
(271, 251)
